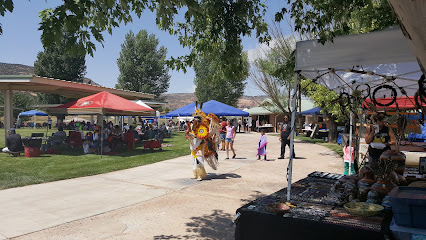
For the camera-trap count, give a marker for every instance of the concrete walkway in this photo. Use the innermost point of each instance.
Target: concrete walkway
(157, 201)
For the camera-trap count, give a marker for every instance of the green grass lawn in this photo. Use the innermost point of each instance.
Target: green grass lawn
(333, 146)
(21, 171)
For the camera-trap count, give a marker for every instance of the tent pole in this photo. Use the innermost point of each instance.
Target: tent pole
(102, 133)
(350, 139)
(293, 116)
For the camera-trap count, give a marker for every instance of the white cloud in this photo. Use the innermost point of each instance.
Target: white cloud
(262, 49)
(191, 89)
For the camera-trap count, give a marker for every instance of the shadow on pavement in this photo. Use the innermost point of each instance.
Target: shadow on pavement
(216, 225)
(255, 195)
(212, 176)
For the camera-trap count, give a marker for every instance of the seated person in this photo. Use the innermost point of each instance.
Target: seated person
(13, 142)
(130, 138)
(115, 137)
(60, 134)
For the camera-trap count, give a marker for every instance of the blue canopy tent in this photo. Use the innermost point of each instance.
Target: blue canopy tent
(312, 111)
(212, 106)
(32, 113)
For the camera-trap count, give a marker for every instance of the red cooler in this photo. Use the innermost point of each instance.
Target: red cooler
(32, 152)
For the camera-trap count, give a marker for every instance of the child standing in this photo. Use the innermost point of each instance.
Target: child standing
(261, 150)
(348, 156)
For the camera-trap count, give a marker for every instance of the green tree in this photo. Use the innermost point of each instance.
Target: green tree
(212, 83)
(22, 101)
(56, 62)
(326, 19)
(142, 65)
(206, 23)
(5, 6)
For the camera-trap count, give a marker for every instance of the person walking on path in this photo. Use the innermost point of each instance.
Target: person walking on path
(285, 137)
(230, 137)
(261, 150)
(222, 133)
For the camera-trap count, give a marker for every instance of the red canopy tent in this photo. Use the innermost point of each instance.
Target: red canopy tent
(105, 103)
(403, 103)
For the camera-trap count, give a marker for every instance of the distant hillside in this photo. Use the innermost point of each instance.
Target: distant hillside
(177, 100)
(15, 69)
(20, 69)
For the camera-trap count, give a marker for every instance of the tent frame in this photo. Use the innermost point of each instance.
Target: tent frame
(351, 55)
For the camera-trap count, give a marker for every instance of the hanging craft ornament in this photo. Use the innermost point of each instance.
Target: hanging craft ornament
(393, 94)
(422, 85)
(363, 93)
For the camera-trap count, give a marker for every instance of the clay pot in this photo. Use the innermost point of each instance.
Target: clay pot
(394, 178)
(367, 175)
(365, 170)
(401, 179)
(363, 189)
(373, 197)
(383, 187)
(397, 157)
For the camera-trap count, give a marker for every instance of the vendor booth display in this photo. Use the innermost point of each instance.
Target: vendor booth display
(378, 66)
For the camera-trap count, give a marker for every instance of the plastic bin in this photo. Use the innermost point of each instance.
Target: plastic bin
(409, 206)
(32, 152)
(404, 233)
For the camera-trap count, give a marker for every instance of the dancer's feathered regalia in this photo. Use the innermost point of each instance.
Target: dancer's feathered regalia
(204, 137)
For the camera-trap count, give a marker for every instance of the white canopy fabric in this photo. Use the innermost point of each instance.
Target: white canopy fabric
(372, 58)
(143, 104)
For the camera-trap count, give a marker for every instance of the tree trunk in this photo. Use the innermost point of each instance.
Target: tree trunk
(332, 129)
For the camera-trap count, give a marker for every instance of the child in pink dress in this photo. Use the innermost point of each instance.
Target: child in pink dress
(261, 150)
(348, 156)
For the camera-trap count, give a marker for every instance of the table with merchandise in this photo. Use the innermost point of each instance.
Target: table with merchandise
(314, 213)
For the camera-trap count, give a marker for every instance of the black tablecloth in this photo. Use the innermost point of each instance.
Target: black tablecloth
(316, 216)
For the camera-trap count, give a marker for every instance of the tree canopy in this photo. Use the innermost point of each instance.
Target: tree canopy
(56, 62)
(142, 65)
(212, 83)
(326, 19)
(206, 23)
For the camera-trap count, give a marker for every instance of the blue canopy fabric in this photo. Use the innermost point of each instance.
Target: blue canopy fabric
(312, 111)
(33, 113)
(212, 106)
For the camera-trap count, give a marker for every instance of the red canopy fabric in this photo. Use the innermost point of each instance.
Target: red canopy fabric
(107, 104)
(403, 103)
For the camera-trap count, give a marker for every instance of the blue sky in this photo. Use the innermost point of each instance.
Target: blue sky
(20, 44)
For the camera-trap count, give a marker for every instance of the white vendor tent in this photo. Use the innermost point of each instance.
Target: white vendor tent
(383, 56)
(376, 58)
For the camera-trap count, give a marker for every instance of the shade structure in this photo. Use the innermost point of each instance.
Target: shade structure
(105, 103)
(312, 111)
(373, 59)
(143, 104)
(33, 113)
(363, 62)
(212, 106)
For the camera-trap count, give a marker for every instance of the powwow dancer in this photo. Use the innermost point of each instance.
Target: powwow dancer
(204, 139)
